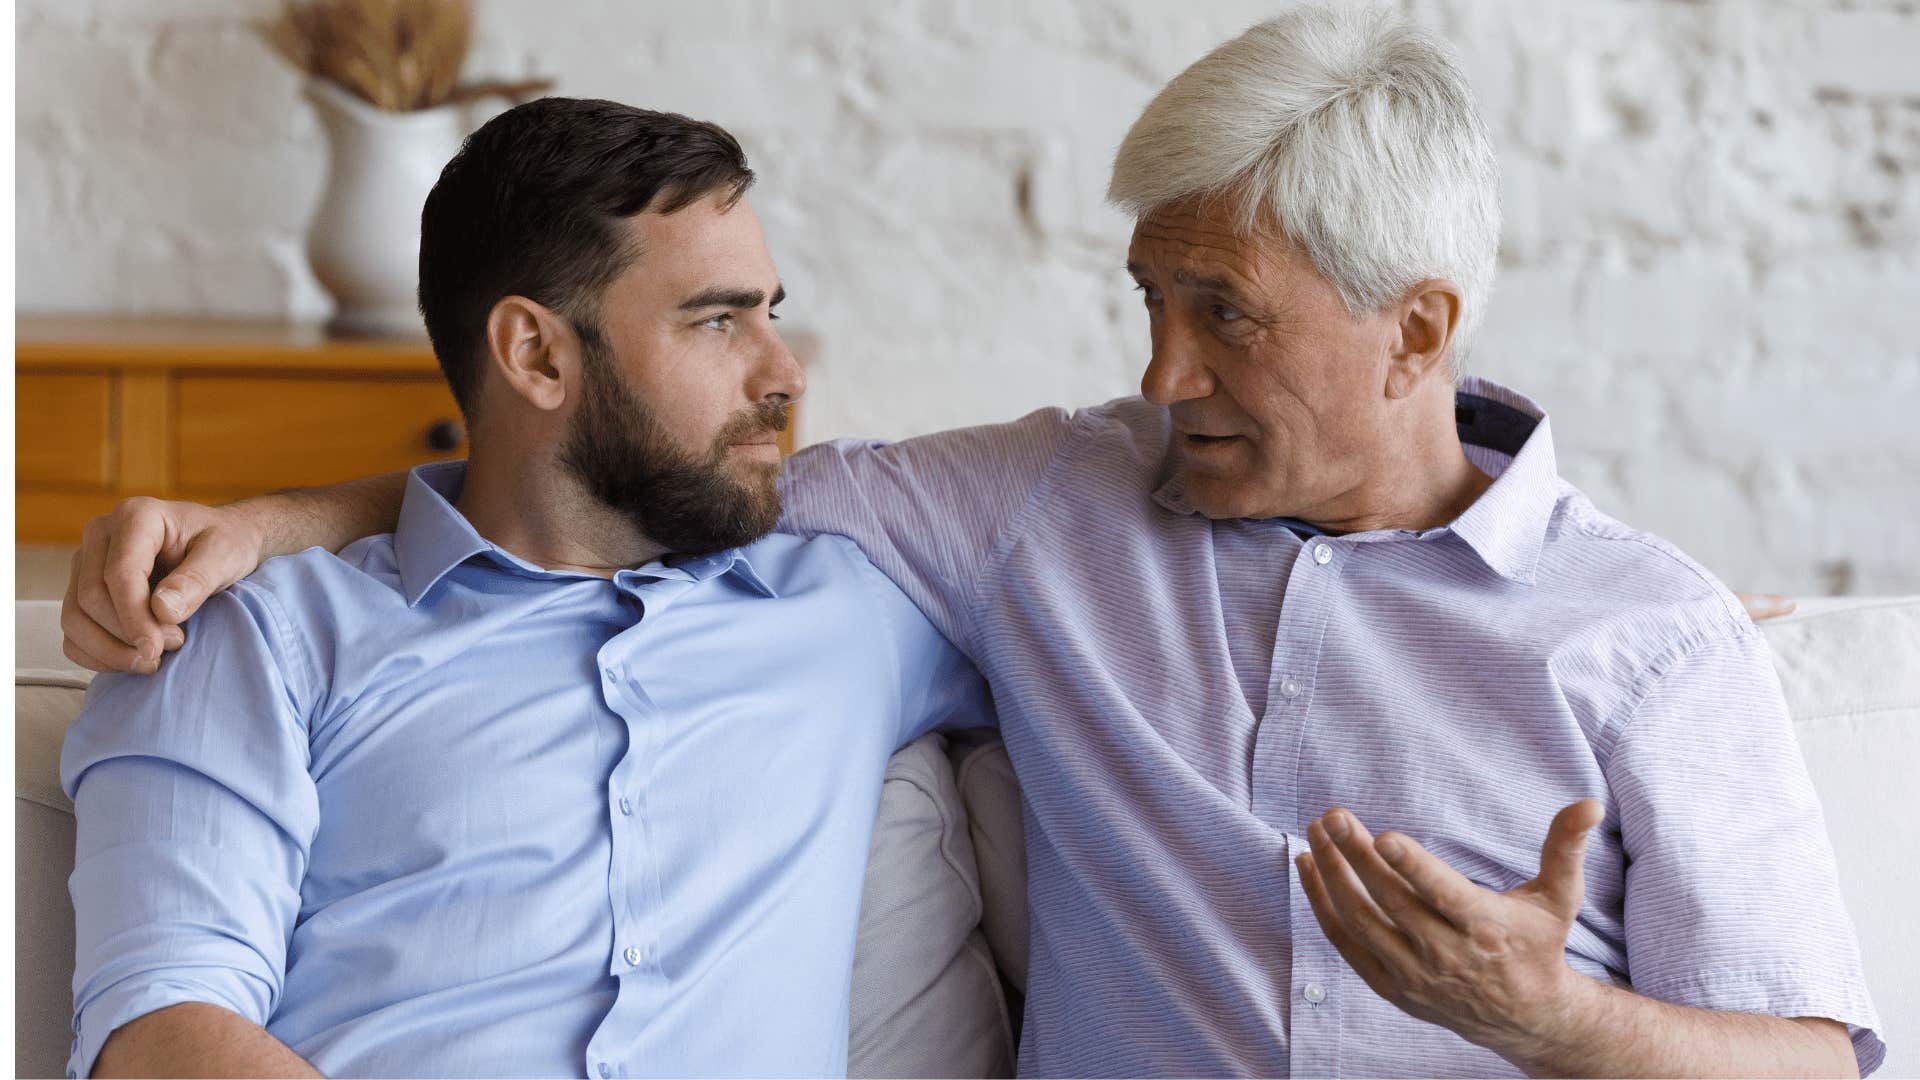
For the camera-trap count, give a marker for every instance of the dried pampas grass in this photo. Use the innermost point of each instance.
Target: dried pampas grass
(397, 55)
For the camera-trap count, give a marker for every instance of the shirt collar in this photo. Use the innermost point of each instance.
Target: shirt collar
(433, 537)
(1507, 525)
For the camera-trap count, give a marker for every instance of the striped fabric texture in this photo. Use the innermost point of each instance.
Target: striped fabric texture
(1181, 696)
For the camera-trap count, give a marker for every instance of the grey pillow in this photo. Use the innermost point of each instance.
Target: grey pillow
(926, 996)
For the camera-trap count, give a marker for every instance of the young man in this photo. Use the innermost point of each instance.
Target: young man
(574, 771)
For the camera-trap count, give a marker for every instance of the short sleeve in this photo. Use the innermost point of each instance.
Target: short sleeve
(930, 512)
(1732, 896)
(195, 814)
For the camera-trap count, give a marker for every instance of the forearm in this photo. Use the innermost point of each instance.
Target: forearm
(196, 1040)
(328, 517)
(1606, 1031)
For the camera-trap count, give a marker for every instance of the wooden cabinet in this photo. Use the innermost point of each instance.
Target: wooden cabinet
(212, 410)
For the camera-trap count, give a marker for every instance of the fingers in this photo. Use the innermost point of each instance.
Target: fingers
(90, 644)
(1364, 963)
(1444, 889)
(1384, 884)
(85, 659)
(1562, 880)
(1765, 605)
(134, 542)
(1352, 905)
(215, 558)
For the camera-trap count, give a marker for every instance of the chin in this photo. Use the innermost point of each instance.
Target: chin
(1222, 497)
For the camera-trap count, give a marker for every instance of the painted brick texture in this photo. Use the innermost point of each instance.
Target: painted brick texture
(1710, 274)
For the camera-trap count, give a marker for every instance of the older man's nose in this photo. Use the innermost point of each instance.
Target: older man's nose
(1175, 373)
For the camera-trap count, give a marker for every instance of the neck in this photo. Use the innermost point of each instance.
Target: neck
(1423, 482)
(530, 505)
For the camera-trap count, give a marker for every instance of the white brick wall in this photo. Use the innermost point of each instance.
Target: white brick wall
(1711, 272)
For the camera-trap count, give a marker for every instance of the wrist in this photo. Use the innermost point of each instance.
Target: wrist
(255, 521)
(1547, 1038)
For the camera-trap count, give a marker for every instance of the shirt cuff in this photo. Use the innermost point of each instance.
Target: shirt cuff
(123, 1004)
(1784, 993)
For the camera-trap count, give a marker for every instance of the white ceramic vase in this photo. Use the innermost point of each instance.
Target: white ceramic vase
(364, 243)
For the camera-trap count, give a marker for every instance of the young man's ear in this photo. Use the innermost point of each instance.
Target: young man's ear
(1429, 314)
(533, 350)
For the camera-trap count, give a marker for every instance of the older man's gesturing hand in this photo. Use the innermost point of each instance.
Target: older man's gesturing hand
(1490, 966)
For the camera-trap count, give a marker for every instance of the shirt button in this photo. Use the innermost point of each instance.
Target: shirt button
(632, 956)
(1314, 993)
(606, 1070)
(1322, 554)
(626, 807)
(610, 677)
(1289, 689)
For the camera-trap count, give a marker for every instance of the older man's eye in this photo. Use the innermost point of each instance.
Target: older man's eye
(1147, 292)
(1226, 314)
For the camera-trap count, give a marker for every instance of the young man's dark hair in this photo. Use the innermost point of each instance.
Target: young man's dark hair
(531, 206)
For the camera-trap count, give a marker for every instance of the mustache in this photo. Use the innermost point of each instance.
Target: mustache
(766, 417)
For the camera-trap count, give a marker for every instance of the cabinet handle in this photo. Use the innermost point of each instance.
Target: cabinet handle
(444, 435)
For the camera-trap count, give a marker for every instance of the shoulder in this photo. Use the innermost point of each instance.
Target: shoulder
(1634, 583)
(789, 563)
(366, 566)
(309, 600)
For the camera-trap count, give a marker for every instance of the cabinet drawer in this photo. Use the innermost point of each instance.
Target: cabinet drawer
(238, 433)
(63, 433)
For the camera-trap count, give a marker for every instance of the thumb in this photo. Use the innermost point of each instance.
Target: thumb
(209, 565)
(179, 595)
(1563, 856)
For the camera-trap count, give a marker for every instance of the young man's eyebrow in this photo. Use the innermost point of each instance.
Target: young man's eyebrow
(729, 296)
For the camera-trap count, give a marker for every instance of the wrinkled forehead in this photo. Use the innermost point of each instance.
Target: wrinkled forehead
(1199, 239)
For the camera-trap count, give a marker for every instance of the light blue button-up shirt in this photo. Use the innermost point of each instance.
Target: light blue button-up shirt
(426, 809)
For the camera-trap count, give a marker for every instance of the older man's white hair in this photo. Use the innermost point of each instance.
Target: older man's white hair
(1356, 129)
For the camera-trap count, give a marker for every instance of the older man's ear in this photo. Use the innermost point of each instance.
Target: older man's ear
(1429, 314)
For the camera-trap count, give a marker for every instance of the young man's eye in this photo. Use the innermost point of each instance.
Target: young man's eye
(718, 322)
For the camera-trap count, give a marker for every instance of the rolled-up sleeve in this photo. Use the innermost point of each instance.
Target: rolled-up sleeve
(1732, 898)
(195, 813)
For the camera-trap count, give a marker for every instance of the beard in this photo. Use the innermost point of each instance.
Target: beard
(691, 504)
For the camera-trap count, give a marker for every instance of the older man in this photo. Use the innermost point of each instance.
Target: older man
(1305, 572)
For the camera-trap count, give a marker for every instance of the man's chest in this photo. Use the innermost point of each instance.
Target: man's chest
(565, 745)
(1280, 676)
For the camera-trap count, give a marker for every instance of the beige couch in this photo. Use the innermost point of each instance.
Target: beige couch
(943, 919)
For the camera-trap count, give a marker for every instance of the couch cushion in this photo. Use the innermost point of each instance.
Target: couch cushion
(926, 995)
(44, 703)
(1850, 669)
(984, 775)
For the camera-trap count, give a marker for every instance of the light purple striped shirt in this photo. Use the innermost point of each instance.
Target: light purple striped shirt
(1180, 696)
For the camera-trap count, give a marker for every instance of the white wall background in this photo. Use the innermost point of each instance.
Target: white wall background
(1711, 271)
